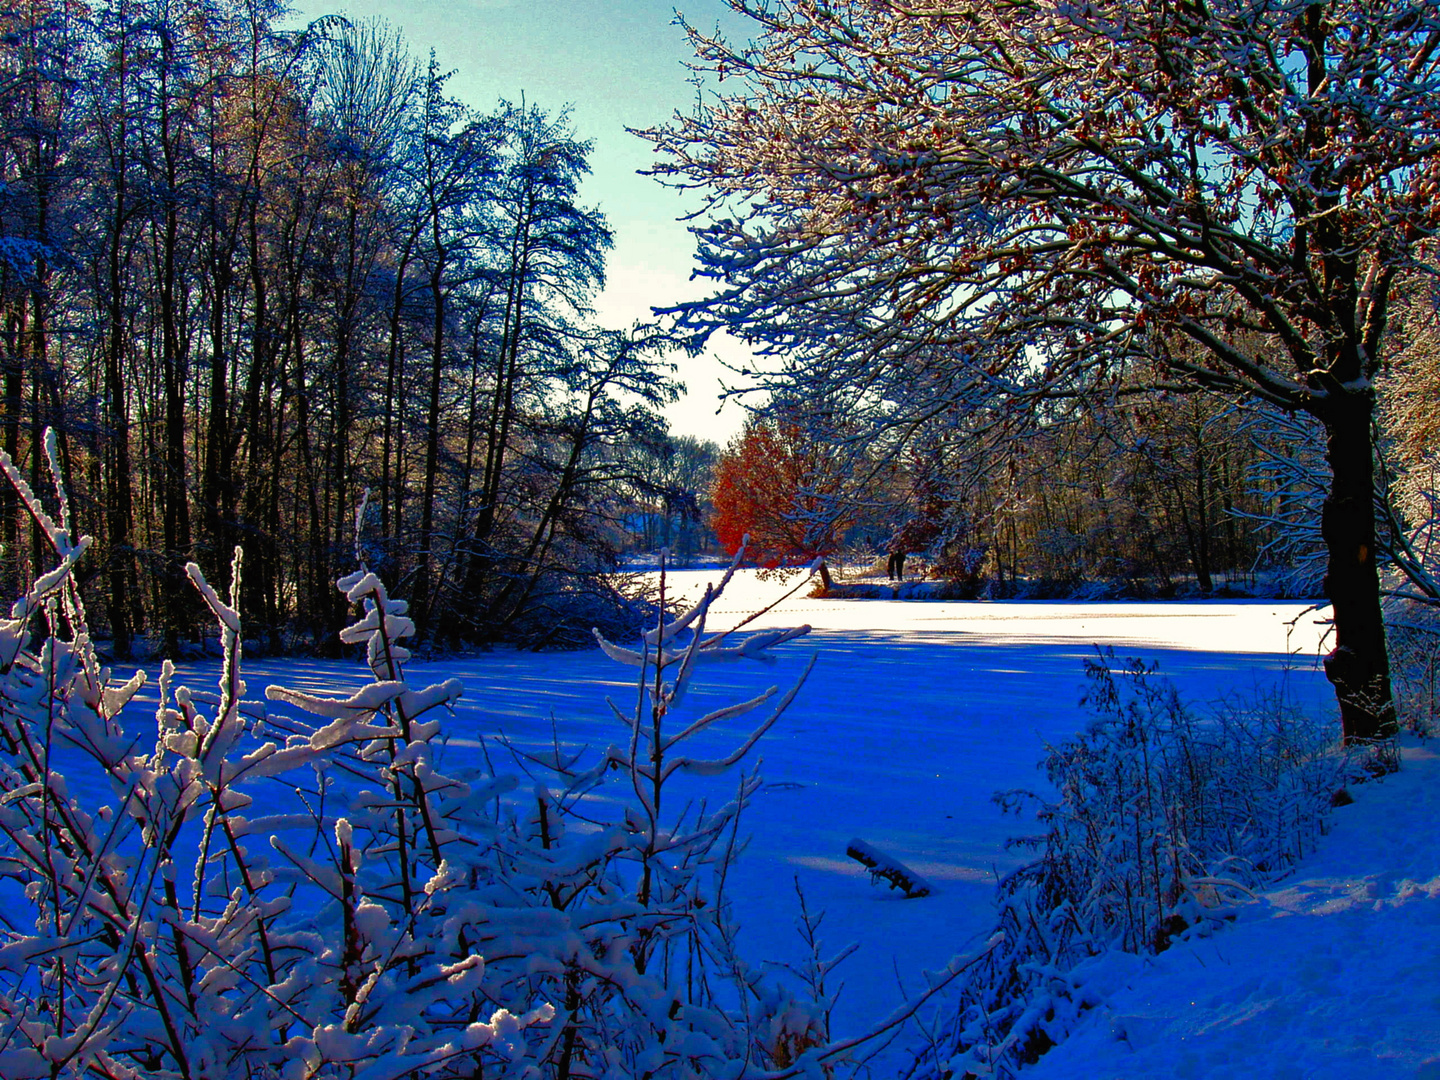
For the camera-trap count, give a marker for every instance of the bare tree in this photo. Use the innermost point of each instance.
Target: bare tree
(246, 271)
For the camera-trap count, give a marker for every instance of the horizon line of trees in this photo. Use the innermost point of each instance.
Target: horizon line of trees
(1148, 494)
(1140, 495)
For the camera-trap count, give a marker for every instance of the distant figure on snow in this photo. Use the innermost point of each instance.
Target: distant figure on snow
(896, 566)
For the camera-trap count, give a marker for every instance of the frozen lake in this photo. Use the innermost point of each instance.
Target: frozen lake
(915, 714)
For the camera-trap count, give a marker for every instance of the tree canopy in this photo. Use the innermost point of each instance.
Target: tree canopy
(921, 207)
(773, 484)
(247, 272)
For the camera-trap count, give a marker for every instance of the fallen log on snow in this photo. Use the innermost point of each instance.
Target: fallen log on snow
(893, 871)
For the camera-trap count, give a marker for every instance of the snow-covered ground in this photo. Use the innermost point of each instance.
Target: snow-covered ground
(915, 714)
(1334, 972)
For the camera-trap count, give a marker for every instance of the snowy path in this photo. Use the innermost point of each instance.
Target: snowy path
(1335, 973)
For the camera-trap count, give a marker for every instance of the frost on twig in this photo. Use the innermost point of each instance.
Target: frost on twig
(245, 893)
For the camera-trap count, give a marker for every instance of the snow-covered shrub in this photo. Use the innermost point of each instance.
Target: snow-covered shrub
(231, 894)
(1161, 823)
(298, 888)
(662, 892)
(1412, 631)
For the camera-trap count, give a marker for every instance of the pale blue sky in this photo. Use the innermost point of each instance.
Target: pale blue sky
(618, 64)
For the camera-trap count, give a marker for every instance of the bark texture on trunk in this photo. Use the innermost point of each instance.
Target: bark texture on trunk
(1358, 666)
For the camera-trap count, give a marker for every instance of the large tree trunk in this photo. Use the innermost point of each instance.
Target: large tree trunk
(1358, 666)
(217, 483)
(119, 511)
(173, 359)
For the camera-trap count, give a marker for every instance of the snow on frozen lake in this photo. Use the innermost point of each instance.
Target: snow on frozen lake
(915, 714)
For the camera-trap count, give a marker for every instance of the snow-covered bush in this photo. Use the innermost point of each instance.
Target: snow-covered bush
(650, 980)
(1161, 823)
(1412, 631)
(297, 888)
(231, 894)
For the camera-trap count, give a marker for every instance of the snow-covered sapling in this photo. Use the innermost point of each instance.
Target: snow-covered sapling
(146, 929)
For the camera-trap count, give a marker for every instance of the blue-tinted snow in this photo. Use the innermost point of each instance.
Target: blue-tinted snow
(915, 714)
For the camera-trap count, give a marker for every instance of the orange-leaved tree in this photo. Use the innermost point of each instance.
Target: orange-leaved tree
(777, 485)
